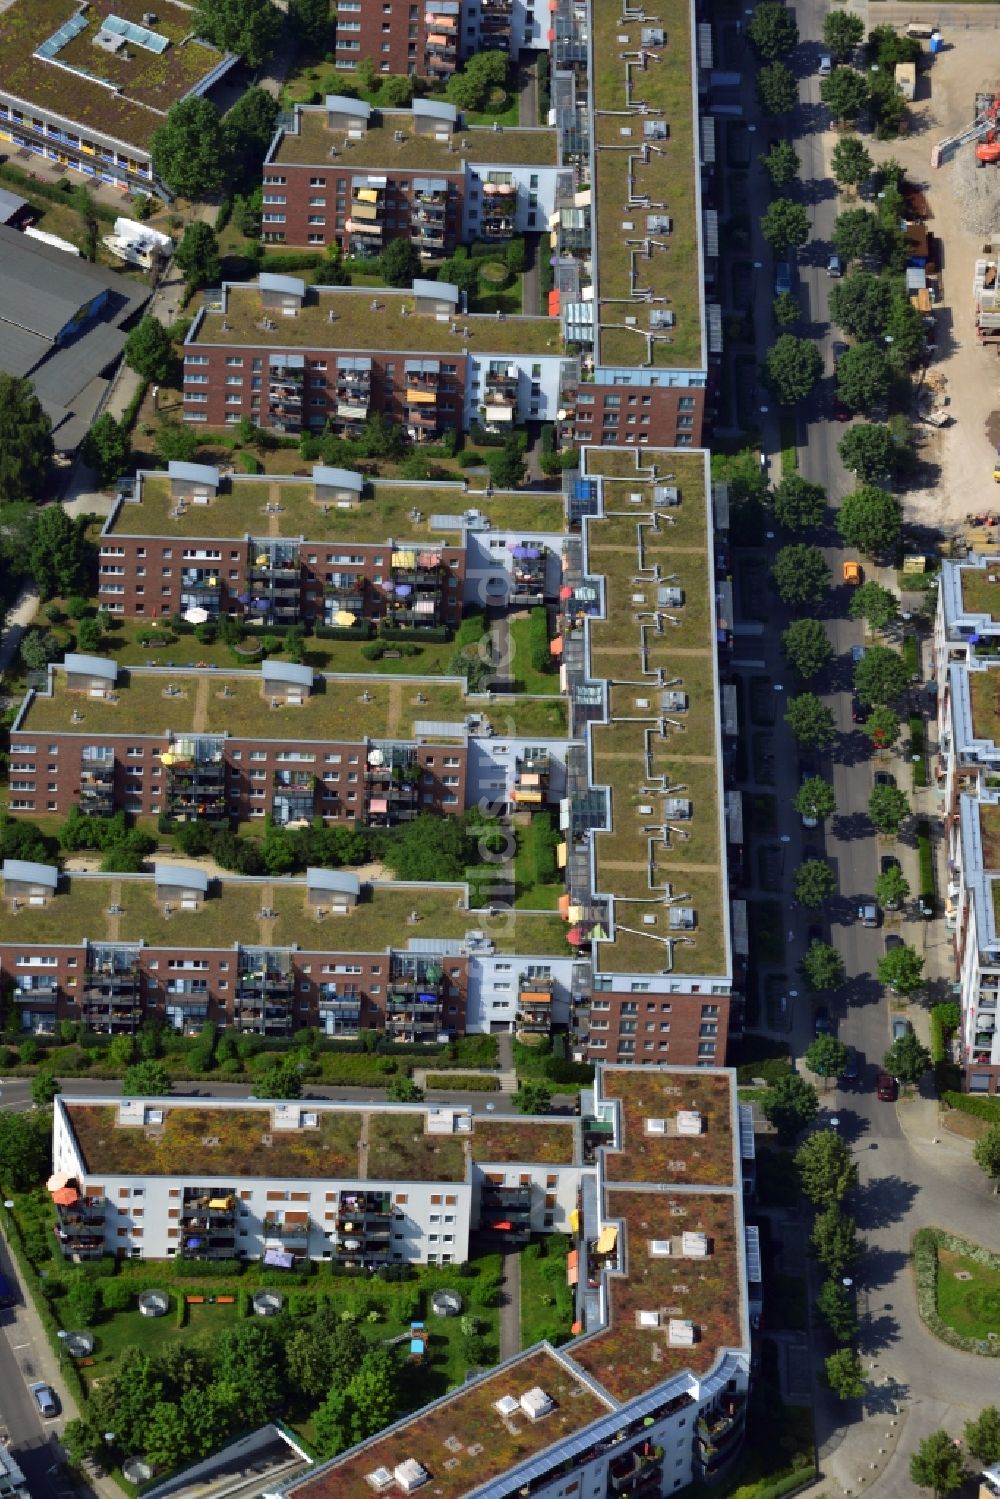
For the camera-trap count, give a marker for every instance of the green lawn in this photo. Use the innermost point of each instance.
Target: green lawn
(547, 1304)
(545, 684)
(968, 1294)
(529, 896)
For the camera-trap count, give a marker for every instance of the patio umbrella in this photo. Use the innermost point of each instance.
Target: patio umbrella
(56, 1180)
(196, 616)
(65, 1197)
(576, 936)
(344, 617)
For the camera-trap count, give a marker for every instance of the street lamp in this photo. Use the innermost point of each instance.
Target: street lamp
(834, 1121)
(62, 1335)
(847, 1282)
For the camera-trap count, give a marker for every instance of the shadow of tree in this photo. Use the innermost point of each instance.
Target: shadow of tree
(882, 1200)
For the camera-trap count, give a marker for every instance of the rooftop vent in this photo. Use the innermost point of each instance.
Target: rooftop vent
(656, 1126)
(380, 1480)
(506, 1406)
(680, 1333)
(410, 1475)
(536, 1404)
(694, 1245)
(678, 807)
(689, 1122)
(682, 918)
(660, 1249)
(647, 1319)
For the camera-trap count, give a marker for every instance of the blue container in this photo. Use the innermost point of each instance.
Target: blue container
(936, 43)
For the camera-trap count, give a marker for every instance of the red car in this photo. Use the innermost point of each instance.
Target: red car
(886, 1088)
(840, 412)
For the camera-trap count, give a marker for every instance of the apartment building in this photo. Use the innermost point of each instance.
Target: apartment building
(651, 1394)
(87, 85)
(347, 174)
(437, 35)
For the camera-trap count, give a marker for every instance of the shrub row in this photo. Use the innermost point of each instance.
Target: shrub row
(467, 1082)
(926, 1243)
(437, 633)
(926, 858)
(799, 1478)
(36, 1289)
(363, 630)
(538, 640)
(979, 1108)
(918, 748)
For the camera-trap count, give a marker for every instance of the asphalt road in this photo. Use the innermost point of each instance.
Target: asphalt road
(33, 1441)
(15, 1093)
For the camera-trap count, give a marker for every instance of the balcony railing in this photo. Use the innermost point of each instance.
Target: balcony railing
(273, 1228)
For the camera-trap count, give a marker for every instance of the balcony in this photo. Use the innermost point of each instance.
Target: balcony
(196, 778)
(639, 1472)
(499, 206)
(413, 1017)
(201, 589)
(288, 1232)
(97, 781)
(36, 991)
(495, 23)
(364, 1205)
(112, 996)
(294, 797)
(534, 1007)
(505, 1211)
(273, 581)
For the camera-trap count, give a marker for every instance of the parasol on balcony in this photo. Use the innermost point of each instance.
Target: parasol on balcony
(196, 616)
(65, 1197)
(403, 590)
(57, 1180)
(576, 936)
(345, 617)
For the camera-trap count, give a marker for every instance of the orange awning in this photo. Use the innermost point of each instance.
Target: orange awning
(556, 646)
(564, 906)
(553, 303)
(532, 997)
(573, 1267)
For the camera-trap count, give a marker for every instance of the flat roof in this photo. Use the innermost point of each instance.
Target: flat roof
(642, 1093)
(984, 698)
(989, 832)
(154, 702)
(980, 593)
(378, 146)
(386, 512)
(103, 908)
(358, 327)
(149, 81)
(665, 89)
(505, 1140)
(640, 548)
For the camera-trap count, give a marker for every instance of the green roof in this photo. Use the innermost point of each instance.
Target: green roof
(980, 595)
(666, 86)
(378, 147)
(383, 514)
(149, 82)
(358, 328)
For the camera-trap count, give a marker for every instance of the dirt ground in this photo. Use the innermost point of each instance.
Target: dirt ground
(959, 458)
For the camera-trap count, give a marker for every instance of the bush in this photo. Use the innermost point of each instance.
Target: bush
(925, 856)
(924, 1256)
(538, 641)
(917, 748)
(250, 465)
(979, 1108)
(363, 630)
(439, 633)
(463, 1081)
(542, 839)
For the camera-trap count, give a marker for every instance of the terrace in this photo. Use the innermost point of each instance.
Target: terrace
(493, 1446)
(395, 327)
(217, 1143)
(626, 1358)
(984, 694)
(400, 1149)
(989, 832)
(378, 146)
(673, 274)
(704, 1160)
(511, 1140)
(384, 514)
(149, 82)
(979, 594)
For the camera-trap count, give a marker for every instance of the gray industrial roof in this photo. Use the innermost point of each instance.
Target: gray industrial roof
(431, 109)
(440, 291)
(76, 363)
(92, 666)
(184, 876)
(193, 473)
(291, 286)
(30, 873)
(338, 478)
(10, 204)
(338, 880)
(41, 288)
(287, 671)
(341, 104)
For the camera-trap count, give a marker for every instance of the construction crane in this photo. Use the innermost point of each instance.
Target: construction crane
(985, 129)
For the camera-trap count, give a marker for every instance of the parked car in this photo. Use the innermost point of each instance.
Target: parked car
(44, 1398)
(851, 1071)
(886, 1088)
(887, 863)
(825, 65)
(858, 714)
(840, 411)
(857, 653)
(7, 1294)
(884, 778)
(823, 1024)
(899, 1027)
(835, 267)
(782, 278)
(814, 933)
(868, 913)
(892, 941)
(838, 349)
(852, 573)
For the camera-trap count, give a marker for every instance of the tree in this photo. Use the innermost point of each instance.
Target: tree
(937, 1464)
(189, 149)
(869, 450)
(887, 808)
(797, 503)
(857, 234)
(25, 441)
(279, 1080)
(843, 1374)
(842, 32)
(772, 30)
(821, 968)
(887, 47)
(57, 552)
(781, 163)
(506, 464)
(81, 1439)
(121, 1052)
(815, 882)
(826, 1056)
(786, 309)
(987, 1155)
(400, 262)
(982, 1436)
(815, 799)
(166, 1442)
(38, 648)
(395, 91)
(146, 1080)
(844, 92)
(331, 1424)
(89, 636)
(791, 368)
(878, 605)
(248, 1358)
(810, 720)
(892, 889)
(882, 728)
(250, 28)
(25, 1150)
(902, 968)
(83, 1303)
(826, 1169)
(881, 676)
(311, 22)
(904, 333)
(784, 223)
(404, 1090)
(428, 848)
(790, 1103)
(870, 519)
(107, 448)
(149, 351)
(472, 88)
(836, 1306)
(807, 647)
(247, 132)
(800, 574)
(908, 1059)
(371, 1395)
(532, 1097)
(174, 442)
(834, 1240)
(197, 256)
(777, 89)
(44, 1087)
(851, 161)
(864, 377)
(861, 303)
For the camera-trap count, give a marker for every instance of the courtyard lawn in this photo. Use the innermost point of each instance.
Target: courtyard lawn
(968, 1294)
(525, 675)
(547, 1305)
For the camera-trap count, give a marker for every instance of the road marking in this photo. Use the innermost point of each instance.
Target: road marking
(16, 1346)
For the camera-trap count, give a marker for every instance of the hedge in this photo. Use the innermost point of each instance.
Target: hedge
(35, 1288)
(302, 261)
(918, 748)
(926, 857)
(538, 640)
(979, 1108)
(771, 1069)
(541, 847)
(465, 1082)
(799, 1478)
(924, 1253)
(250, 464)
(436, 633)
(360, 631)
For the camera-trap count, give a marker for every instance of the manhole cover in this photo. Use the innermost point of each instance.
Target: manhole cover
(963, 1274)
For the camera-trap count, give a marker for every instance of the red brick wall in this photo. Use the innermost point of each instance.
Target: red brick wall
(639, 1034)
(661, 415)
(332, 182)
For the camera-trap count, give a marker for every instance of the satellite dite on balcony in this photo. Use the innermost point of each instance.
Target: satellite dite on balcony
(680, 1333)
(506, 1406)
(536, 1404)
(689, 1122)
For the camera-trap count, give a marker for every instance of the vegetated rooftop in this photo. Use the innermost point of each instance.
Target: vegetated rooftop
(366, 320)
(400, 1149)
(984, 696)
(388, 915)
(160, 701)
(386, 513)
(626, 1358)
(664, 84)
(218, 1143)
(488, 1445)
(703, 1160)
(129, 91)
(378, 147)
(989, 832)
(512, 1140)
(638, 641)
(980, 595)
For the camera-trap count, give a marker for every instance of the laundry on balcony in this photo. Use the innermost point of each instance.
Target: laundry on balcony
(279, 1258)
(607, 1239)
(379, 804)
(404, 559)
(573, 1267)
